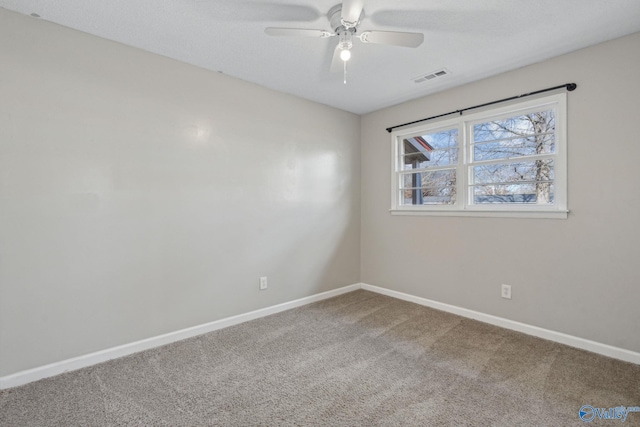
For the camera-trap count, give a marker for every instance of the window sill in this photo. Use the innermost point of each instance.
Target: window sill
(483, 213)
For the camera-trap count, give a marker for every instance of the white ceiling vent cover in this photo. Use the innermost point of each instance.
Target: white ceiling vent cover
(435, 74)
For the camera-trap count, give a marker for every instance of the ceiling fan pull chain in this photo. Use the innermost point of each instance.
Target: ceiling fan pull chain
(345, 72)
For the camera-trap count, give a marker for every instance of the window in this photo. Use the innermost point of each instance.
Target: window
(509, 161)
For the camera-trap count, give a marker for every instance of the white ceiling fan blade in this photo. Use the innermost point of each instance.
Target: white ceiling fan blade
(337, 64)
(351, 11)
(393, 38)
(297, 32)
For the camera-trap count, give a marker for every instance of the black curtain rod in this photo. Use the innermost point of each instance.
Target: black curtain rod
(570, 87)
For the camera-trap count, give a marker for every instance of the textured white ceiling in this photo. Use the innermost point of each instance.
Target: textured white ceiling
(472, 39)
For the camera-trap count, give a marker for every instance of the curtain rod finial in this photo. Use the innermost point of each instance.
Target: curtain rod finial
(571, 87)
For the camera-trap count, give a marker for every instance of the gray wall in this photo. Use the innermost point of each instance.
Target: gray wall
(140, 196)
(579, 276)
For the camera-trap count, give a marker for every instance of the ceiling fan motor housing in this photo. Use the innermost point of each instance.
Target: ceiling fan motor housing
(335, 19)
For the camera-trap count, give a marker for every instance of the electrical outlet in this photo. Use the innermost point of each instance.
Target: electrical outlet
(263, 283)
(506, 291)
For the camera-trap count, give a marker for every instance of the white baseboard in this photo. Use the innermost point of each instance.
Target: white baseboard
(593, 346)
(24, 377)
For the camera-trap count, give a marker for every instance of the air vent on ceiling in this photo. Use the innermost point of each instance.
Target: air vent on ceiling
(423, 78)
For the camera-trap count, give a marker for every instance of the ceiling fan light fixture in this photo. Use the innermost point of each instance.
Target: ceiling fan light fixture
(345, 45)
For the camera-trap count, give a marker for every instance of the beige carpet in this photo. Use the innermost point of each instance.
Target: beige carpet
(360, 359)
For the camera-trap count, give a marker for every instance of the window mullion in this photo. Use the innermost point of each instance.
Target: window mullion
(530, 158)
(462, 166)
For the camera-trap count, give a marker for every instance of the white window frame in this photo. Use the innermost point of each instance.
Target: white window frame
(464, 123)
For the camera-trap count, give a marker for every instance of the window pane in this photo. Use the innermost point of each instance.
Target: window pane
(517, 136)
(429, 150)
(518, 172)
(514, 147)
(542, 122)
(540, 193)
(444, 157)
(422, 197)
(429, 188)
(434, 179)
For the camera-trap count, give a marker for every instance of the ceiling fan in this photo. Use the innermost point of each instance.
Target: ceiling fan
(344, 19)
